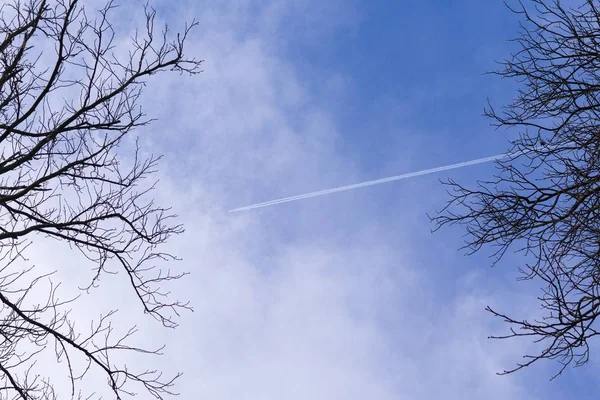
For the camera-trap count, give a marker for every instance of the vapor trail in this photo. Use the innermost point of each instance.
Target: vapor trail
(379, 181)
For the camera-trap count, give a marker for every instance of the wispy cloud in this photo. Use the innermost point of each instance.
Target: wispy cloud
(296, 306)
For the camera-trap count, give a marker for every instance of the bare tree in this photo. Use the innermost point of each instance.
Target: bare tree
(68, 101)
(545, 199)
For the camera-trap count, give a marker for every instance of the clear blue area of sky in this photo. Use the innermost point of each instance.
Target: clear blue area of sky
(415, 87)
(430, 57)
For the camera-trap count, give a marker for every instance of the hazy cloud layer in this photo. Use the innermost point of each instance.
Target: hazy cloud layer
(314, 301)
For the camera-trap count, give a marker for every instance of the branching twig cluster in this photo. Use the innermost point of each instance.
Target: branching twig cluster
(545, 202)
(68, 101)
(549, 205)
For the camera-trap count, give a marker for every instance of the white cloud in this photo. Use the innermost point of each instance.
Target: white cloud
(301, 307)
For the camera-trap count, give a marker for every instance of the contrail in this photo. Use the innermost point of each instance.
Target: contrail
(382, 180)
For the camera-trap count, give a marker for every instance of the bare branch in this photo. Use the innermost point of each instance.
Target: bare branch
(545, 202)
(67, 103)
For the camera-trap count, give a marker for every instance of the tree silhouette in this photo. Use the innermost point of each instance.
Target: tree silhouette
(68, 101)
(545, 200)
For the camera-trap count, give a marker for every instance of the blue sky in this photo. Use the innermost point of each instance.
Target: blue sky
(359, 90)
(350, 295)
